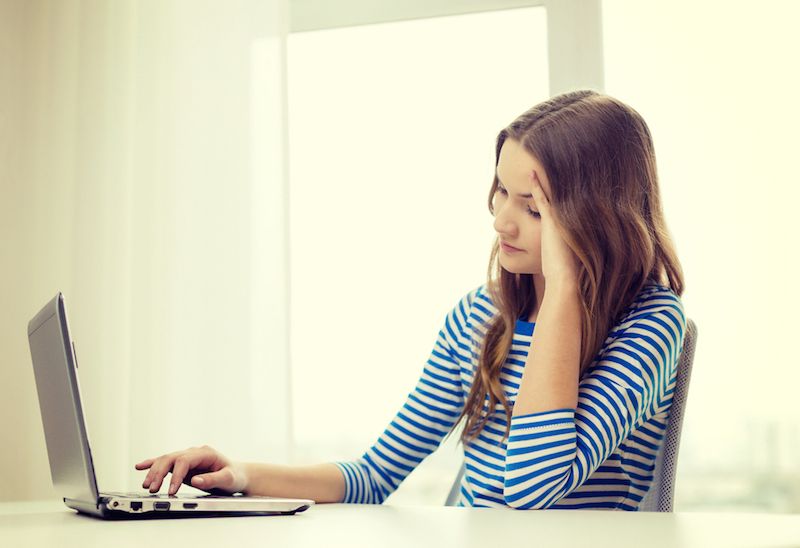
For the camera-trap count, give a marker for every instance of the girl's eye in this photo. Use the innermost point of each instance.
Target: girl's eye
(532, 213)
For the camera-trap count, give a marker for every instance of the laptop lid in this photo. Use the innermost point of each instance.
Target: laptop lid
(54, 366)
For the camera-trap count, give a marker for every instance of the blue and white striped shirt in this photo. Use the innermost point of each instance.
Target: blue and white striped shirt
(600, 455)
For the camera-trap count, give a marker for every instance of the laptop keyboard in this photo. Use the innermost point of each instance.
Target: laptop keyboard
(161, 495)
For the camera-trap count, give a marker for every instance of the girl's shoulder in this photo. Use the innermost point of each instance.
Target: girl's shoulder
(473, 308)
(654, 296)
(467, 303)
(654, 301)
(476, 294)
(481, 305)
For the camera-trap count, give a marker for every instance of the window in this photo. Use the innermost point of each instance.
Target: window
(392, 133)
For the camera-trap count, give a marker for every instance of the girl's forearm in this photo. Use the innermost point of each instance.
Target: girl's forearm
(550, 378)
(320, 483)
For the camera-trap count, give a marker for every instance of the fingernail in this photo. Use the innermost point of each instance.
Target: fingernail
(199, 481)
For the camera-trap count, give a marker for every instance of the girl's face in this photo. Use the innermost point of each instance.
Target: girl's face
(516, 216)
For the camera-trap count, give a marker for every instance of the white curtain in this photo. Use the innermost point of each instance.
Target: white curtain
(147, 172)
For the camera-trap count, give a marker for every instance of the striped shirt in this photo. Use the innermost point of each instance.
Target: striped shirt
(599, 455)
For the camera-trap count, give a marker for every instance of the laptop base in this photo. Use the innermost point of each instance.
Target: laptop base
(101, 510)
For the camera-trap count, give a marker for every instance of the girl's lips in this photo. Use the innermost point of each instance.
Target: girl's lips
(509, 249)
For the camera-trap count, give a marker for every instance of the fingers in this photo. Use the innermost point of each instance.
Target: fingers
(179, 471)
(542, 201)
(221, 479)
(159, 468)
(145, 464)
(183, 465)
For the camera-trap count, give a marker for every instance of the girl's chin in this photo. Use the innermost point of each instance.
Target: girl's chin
(517, 269)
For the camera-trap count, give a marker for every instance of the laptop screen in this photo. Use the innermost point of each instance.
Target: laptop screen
(59, 400)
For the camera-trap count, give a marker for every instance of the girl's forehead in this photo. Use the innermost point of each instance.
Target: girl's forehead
(515, 167)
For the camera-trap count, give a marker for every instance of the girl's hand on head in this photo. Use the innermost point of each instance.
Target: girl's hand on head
(559, 262)
(201, 467)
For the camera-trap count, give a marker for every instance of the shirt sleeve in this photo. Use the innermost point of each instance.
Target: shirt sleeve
(429, 413)
(550, 454)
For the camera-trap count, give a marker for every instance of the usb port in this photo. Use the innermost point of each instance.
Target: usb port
(161, 505)
(190, 505)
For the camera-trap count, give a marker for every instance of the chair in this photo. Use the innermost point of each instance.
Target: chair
(659, 497)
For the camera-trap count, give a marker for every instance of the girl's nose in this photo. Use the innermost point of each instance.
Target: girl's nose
(503, 225)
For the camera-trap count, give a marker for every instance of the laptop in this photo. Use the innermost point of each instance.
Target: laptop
(56, 370)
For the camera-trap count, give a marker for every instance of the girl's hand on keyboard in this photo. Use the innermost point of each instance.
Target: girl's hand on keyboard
(201, 467)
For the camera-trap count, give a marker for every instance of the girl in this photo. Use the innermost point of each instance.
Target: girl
(561, 367)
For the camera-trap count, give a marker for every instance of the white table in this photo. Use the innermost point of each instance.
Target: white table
(33, 525)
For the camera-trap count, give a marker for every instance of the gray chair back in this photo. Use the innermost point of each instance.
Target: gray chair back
(452, 497)
(659, 497)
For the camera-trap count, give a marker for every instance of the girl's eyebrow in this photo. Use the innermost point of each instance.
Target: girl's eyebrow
(526, 196)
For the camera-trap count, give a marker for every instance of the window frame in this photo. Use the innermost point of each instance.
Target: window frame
(574, 28)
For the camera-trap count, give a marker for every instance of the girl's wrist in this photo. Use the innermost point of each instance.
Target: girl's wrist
(245, 474)
(562, 287)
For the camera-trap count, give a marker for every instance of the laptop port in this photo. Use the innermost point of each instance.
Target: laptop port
(190, 505)
(161, 505)
(136, 505)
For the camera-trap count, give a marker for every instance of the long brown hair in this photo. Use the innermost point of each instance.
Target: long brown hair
(598, 155)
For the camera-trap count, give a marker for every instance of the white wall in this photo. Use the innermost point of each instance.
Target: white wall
(146, 179)
(22, 456)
